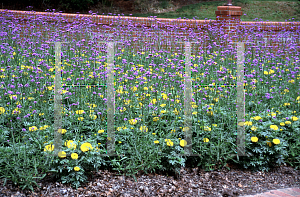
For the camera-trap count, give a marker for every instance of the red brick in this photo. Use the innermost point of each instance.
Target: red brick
(269, 194)
(289, 191)
(280, 193)
(296, 189)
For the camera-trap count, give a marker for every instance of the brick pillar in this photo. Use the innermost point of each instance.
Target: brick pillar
(227, 18)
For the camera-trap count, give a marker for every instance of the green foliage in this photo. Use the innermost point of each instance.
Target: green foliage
(241, 1)
(75, 5)
(164, 4)
(63, 167)
(22, 165)
(292, 134)
(264, 153)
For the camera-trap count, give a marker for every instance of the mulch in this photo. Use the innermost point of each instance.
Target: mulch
(190, 182)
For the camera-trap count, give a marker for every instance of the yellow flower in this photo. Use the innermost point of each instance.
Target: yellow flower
(49, 147)
(254, 139)
(85, 147)
(210, 113)
(240, 123)
(80, 118)
(185, 129)
(79, 112)
(76, 168)
(163, 111)
(253, 128)
(294, 118)
(132, 121)
(62, 154)
(205, 140)
(206, 128)
(93, 117)
(74, 156)
(144, 128)
(70, 144)
(156, 141)
(33, 128)
(101, 131)
(155, 119)
(182, 143)
(276, 141)
(163, 105)
(93, 105)
(176, 112)
(153, 101)
(248, 123)
(134, 89)
(269, 143)
(282, 124)
(145, 88)
(274, 127)
(169, 142)
(2, 110)
(257, 118)
(287, 122)
(62, 131)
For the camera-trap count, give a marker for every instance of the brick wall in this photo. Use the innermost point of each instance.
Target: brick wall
(227, 27)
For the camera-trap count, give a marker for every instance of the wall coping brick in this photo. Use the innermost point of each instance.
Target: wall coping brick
(140, 21)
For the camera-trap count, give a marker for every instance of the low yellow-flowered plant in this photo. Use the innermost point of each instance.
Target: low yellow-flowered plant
(132, 121)
(269, 143)
(183, 143)
(294, 118)
(101, 131)
(79, 111)
(80, 118)
(74, 156)
(276, 141)
(274, 127)
(144, 128)
(49, 147)
(76, 168)
(155, 119)
(93, 117)
(247, 123)
(253, 128)
(2, 110)
(169, 142)
(62, 154)
(33, 128)
(70, 144)
(85, 147)
(62, 131)
(254, 139)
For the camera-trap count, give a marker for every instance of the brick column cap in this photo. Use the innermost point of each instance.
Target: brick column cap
(229, 8)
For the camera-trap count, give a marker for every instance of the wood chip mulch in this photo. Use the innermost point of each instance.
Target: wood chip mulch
(190, 182)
